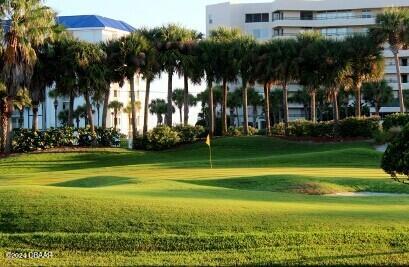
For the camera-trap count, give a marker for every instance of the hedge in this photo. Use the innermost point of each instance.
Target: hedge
(350, 127)
(395, 120)
(27, 140)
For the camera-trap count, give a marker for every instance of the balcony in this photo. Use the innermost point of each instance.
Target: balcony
(314, 22)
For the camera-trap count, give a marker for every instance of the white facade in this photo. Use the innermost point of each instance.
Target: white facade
(287, 18)
(47, 113)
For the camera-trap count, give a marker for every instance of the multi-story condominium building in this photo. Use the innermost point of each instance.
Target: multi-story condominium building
(287, 18)
(94, 29)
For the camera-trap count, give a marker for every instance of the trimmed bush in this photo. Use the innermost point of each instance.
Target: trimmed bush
(350, 127)
(359, 127)
(395, 120)
(108, 137)
(27, 140)
(396, 158)
(161, 138)
(189, 134)
(239, 131)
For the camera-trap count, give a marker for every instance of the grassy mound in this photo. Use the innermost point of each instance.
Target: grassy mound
(95, 182)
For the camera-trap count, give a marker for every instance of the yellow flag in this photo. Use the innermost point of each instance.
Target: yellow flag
(208, 140)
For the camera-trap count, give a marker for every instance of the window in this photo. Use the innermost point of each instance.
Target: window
(115, 93)
(279, 32)
(306, 15)
(367, 14)
(404, 62)
(260, 33)
(278, 16)
(210, 19)
(257, 17)
(404, 78)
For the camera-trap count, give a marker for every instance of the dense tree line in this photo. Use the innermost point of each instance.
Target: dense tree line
(37, 53)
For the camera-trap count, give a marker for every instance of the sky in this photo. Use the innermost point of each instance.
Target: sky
(149, 13)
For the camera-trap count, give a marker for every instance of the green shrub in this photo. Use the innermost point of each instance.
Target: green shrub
(108, 137)
(358, 127)
(323, 129)
(161, 138)
(396, 158)
(86, 137)
(278, 129)
(239, 131)
(27, 140)
(189, 134)
(300, 128)
(395, 120)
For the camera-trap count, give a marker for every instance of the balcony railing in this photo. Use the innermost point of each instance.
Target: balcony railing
(330, 18)
(331, 35)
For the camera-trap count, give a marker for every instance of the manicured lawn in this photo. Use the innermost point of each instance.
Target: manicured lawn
(263, 203)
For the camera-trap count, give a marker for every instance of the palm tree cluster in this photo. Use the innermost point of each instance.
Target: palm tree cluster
(37, 53)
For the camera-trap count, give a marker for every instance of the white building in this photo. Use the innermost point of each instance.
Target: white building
(287, 18)
(92, 29)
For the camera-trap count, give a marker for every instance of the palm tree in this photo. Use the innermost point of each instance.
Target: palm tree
(243, 49)
(234, 101)
(255, 100)
(151, 69)
(377, 94)
(90, 74)
(265, 73)
(207, 50)
(80, 113)
(65, 78)
(158, 107)
(130, 57)
(310, 75)
(43, 78)
(128, 110)
(30, 23)
(178, 97)
(171, 39)
(226, 37)
(188, 68)
(276, 105)
(287, 69)
(392, 27)
(366, 64)
(116, 106)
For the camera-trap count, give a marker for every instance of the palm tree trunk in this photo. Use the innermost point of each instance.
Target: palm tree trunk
(313, 107)
(398, 73)
(115, 119)
(105, 109)
(285, 104)
(180, 116)
(237, 117)
(146, 108)
(358, 102)
(35, 116)
(211, 110)
(134, 128)
(89, 112)
(8, 127)
(224, 108)
(71, 110)
(170, 105)
(267, 108)
(335, 106)
(245, 109)
(3, 124)
(186, 101)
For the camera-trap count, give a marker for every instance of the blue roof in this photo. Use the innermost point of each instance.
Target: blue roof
(93, 21)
